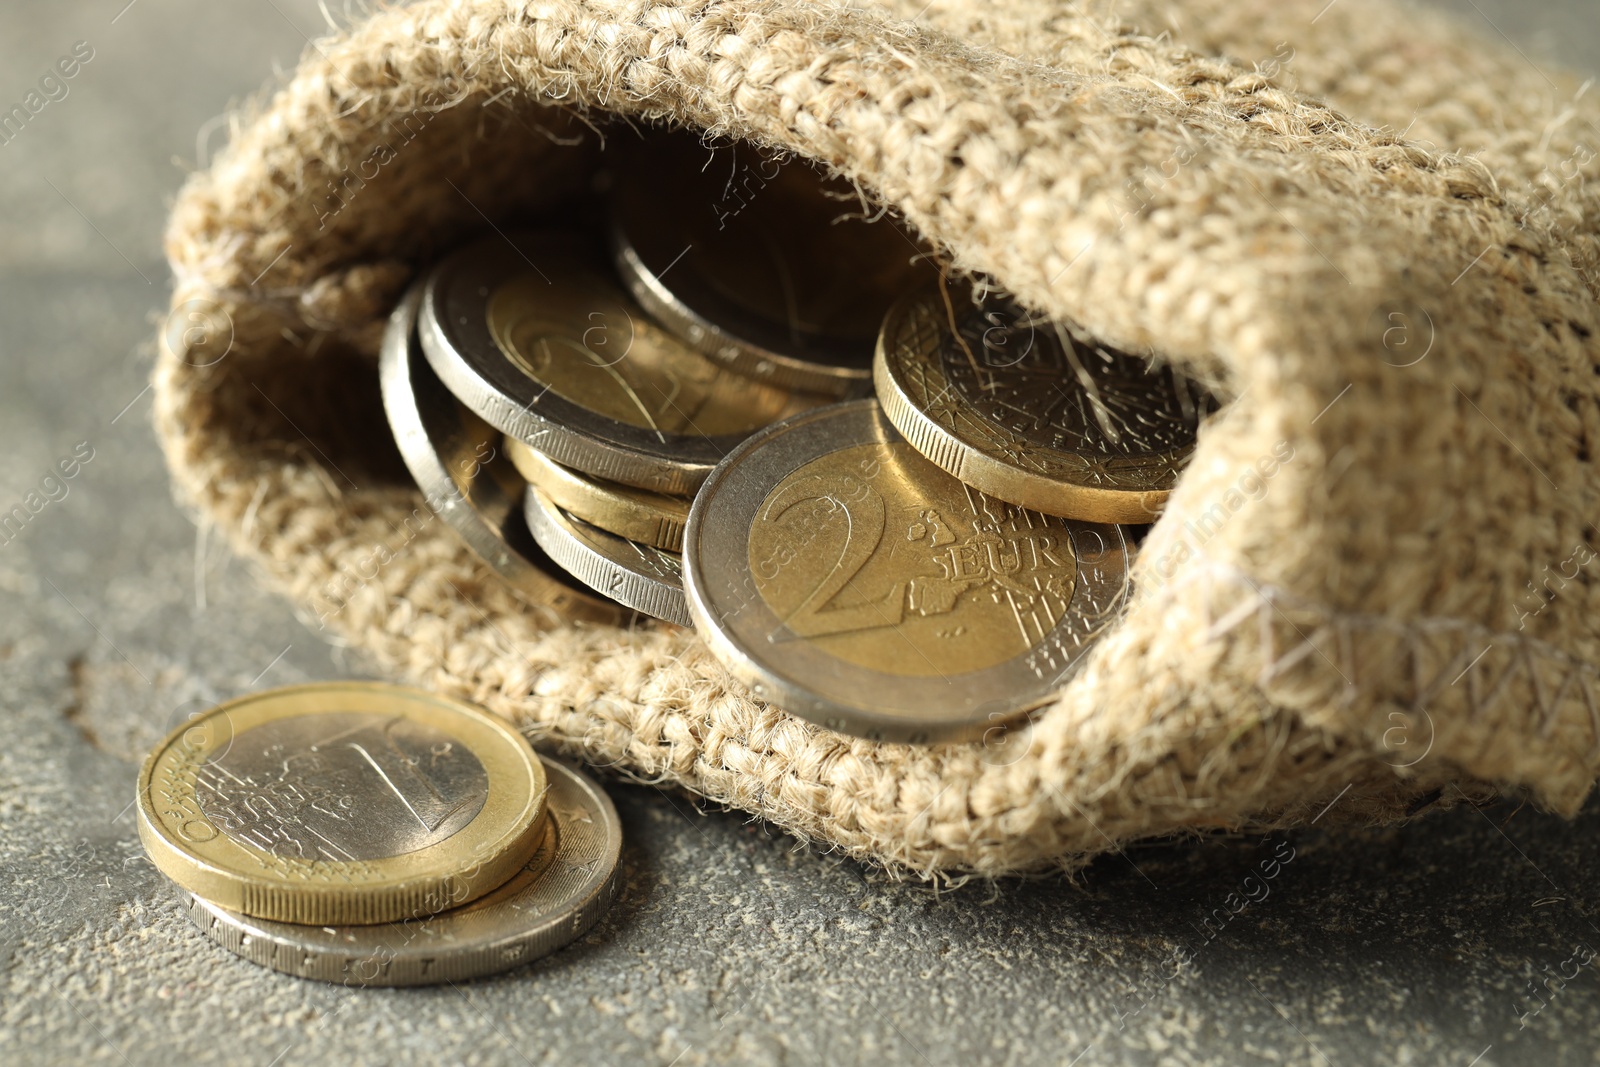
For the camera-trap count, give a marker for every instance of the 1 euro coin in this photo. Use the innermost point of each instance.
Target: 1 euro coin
(341, 803)
(1020, 407)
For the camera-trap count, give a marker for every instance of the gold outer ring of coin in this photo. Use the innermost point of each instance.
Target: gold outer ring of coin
(925, 407)
(457, 461)
(187, 845)
(637, 514)
(989, 609)
(562, 892)
(644, 578)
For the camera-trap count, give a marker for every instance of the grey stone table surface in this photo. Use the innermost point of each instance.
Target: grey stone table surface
(729, 943)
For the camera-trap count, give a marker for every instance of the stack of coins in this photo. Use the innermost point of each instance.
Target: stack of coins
(374, 835)
(897, 506)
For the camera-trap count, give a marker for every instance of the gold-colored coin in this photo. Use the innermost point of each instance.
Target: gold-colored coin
(640, 576)
(1018, 407)
(847, 579)
(653, 519)
(557, 356)
(341, 803)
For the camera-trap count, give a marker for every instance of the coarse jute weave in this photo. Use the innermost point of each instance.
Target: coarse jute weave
(1377, 234)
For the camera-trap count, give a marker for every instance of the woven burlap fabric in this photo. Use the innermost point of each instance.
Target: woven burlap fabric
(1371, 232)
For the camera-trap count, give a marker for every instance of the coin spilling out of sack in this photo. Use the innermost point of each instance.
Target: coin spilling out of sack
(375, 835)
(896, 505)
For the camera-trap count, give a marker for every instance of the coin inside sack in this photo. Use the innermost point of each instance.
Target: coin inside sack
(550, 350)
(845, 578)
(341, 803)
(639, 515)
(1019, 407)
(557, 896)
(459, 464)
(771, 268)
(644, 578)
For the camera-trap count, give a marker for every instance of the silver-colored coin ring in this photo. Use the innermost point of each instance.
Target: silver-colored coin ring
(644, 578)
(555, 899)
(746, 355)
(478, 494)
(763, 265)
(739, 626)
(459, 345)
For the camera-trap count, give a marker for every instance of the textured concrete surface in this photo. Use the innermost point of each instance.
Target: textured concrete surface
(729, 943)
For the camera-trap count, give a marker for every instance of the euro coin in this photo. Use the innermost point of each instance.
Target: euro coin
(561, 892)
(341, 803)
(1018, 407)
(644, 578)
(639, 515)
(458, 462)
(848, 580)
(771, 268)
(550, 351)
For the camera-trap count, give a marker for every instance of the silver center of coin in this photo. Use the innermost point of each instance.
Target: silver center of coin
(342, 786)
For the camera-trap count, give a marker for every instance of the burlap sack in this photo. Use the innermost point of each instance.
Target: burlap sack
(1373, 590)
